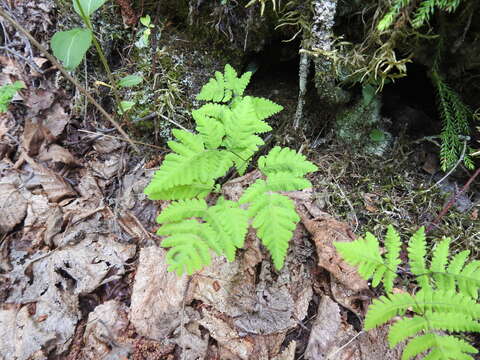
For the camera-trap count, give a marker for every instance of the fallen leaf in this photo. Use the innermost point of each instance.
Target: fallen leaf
(56, 188)
(325, 230)
(56, 153)
(13, 207)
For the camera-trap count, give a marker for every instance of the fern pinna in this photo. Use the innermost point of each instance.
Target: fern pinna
(228, 129)
(446, 300)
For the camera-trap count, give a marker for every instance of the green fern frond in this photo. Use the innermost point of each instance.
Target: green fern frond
(392, 257)
(443, 347)
(392, 14)
(182, 209)
(424, 12)
(407, 327)
(426, 300)
(385, 308)
(274, 218)
(215, 90)
(285, 160)
(179, 192)
(234, 83)
(365, 253)
(417, 251)
(224, 86)
(455, 117)
(264, 108)
(230, 223)
(190, 243)
(191, 164)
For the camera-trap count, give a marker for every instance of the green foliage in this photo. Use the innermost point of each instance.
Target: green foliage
(421, 16)
(446, 300)
(7, 92)
(130, 81)
(227, 136)
(71, 46)
(456, 125)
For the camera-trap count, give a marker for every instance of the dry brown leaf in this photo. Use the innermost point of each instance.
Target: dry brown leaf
(38, 100)
(56, 188)
(56, 153)
(151, 317)
(325, 230)
(13, 207)
(56, 119)
(324, 329)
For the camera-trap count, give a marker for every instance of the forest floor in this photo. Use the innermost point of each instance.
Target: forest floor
(81, 272)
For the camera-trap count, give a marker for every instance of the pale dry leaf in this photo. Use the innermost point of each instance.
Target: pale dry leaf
(325, 231)
(38, 100)
(324, 329)
(56, 188)
(59, 154)
(153, 318)
(13, 207)
(56, 119)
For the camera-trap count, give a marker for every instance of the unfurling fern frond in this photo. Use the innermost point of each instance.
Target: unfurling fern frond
(365, 253)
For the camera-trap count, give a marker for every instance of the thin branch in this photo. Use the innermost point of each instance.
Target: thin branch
(54, 61)
(452, 201)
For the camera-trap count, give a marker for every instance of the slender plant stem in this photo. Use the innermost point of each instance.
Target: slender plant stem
(103, 59)
(452, 201)
(64, 72)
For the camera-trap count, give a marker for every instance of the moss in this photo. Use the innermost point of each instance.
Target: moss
(354, 124)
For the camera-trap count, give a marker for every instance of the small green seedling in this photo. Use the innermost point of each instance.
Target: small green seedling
(144, 40)
(7, 92)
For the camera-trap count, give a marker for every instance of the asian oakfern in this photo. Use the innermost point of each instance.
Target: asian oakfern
(228, 129)
(445, 302)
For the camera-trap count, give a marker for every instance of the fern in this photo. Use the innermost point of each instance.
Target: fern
(455, 119)
(228, 130)
(365, 253)
(422, 14)
(445, 302)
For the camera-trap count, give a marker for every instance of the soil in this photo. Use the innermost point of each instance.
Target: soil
(82, 275)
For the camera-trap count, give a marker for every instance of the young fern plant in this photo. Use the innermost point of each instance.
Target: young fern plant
(228, 129)
(445, 301)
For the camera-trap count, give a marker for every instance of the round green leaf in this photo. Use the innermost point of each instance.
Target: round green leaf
(70, 46)
(146, 20)
(88, 6)
(130, 81)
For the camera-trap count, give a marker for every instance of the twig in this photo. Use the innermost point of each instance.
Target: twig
(344, 346)
(155, 114)
(134, 141)
(460, 159)
(54, 61)
(452, 201)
